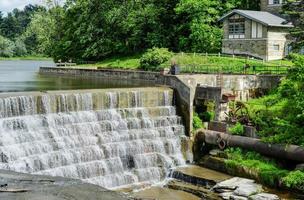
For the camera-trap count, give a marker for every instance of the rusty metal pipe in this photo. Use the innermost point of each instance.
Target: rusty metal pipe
(288, 152)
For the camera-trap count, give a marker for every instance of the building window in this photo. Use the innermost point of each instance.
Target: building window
(236, 27)
(256, 30)
(275, 2)
(276, 47)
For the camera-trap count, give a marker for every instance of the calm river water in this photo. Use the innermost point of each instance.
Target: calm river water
(18, 76)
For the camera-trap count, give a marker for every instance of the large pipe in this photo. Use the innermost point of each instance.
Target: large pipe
(288, 152)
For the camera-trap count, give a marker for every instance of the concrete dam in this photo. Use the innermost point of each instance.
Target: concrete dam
(112, 138)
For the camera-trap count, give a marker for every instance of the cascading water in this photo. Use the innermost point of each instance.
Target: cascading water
(109, 138)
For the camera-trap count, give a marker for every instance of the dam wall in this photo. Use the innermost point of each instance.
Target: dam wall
(109, 137)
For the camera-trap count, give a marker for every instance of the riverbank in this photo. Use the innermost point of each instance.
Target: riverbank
(199, 63)
(35, 58)
(193, 182)
(248, 164)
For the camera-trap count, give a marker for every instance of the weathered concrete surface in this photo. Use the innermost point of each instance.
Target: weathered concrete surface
(19, 186)
(195, 171)
(243, 86)
(160, 193)
(199, 191)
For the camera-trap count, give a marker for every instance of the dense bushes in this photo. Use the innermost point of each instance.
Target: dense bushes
(154, 57)
(13, 40)
(295, 179)
(132, 27)
(9, 48)
(237, 129)
(197, 122)
(279, 117)
(6, 47)
(267, 169)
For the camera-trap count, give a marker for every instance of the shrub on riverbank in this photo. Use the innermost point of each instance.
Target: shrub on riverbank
(279, 117)
(237, 129)
(197, 122)
(295, 179)
(154, 58)
(265, 169)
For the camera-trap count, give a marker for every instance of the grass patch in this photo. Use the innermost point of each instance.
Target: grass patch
(40, 58)
(126, 62)
(268, 171)
(213, 64)
(197, 63)
(272, 103)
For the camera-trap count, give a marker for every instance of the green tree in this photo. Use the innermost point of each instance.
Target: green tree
(294, 10)
(283, 120)
(20, 48)
(126, 27)
(44, 28)
(199, 30)
(7, 47)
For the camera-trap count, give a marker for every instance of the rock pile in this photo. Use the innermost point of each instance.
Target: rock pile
(242, 189)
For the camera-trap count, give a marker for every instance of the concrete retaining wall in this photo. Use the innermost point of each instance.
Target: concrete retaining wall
(243, 87)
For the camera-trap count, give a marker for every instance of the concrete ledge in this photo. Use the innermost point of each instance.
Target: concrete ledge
(20, 186)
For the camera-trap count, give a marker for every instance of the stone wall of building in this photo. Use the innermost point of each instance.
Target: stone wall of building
(254, 47)
(274, 8)
(277, 37)
(226, 28)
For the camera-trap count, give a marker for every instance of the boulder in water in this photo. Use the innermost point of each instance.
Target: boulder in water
(264, 196)
(232, 184)
(236, 197)
(248, 189)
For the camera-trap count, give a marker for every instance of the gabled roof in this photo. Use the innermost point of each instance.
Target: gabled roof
(262, 17)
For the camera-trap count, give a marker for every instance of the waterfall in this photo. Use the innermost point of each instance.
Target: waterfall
(110, 138)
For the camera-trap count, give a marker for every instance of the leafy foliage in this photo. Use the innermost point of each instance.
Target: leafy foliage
(295, 179)
(279, 117)
(131, 27)
(6, 47)
(153, 58)
(12, 28)
(237, 129)
(197, 122)
(294, 10)
(238, 113)
(44, 26)
(268, 171)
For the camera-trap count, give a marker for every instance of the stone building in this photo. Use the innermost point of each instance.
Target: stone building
(261, 34)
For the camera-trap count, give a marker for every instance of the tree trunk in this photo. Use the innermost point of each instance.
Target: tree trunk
(288, 152)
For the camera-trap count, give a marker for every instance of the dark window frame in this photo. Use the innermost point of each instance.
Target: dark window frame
(236, 26)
